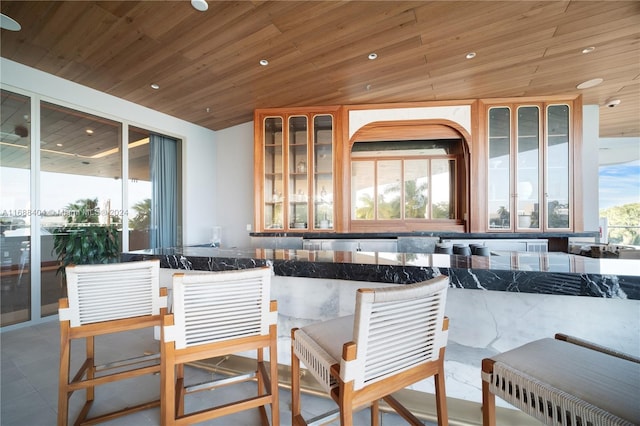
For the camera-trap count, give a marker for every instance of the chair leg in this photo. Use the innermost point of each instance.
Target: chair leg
(375, 413)
(63, 378)
(441, 398)
(344, 403)
(273, 379)
(167, 388)
(488, 398)
(91, 371)
(295, 384)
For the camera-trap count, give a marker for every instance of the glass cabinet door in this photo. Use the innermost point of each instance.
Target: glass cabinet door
(557, 169)
(499, 175)
(528, 170)
(273, 174)
(298, 214)
(323, 171)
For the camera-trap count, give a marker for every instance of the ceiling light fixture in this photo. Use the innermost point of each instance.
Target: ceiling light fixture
(373, 56)
(588, 49)
(590, 83)
(264, 62)
(200, 5)
(612, 103)
(155, 86)
(470, 55)
(7, 23)
(89, 132)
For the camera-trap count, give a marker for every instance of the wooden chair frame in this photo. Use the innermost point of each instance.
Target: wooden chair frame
(90, 375)
(350, 400)
(174, 388)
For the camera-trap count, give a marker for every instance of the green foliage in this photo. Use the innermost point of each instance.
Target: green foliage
(142, 220)
(81, 245)
(628, 216)
(83, 211)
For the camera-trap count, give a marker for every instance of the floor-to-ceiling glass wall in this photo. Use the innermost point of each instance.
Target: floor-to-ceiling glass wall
(15, 208)
(62, 180)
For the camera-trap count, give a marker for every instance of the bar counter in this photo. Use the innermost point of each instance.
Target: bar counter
(524, 272)
(523, 296)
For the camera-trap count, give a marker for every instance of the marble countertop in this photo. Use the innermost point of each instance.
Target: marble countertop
(529, 272)
(499, 260)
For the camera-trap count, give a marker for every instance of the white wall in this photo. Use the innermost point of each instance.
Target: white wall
(199, 143)
(234, 189)
(589, 181)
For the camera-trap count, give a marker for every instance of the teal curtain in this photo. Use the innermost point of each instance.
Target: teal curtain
(164, 186)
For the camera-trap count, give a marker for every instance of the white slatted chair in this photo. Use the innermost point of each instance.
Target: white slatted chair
(397, 337)
(218, 314)
(106, 299)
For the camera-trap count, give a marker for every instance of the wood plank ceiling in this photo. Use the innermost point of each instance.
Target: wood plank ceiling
(207, 63)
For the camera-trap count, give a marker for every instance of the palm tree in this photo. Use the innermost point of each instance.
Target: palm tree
(142, 220)
(83, 211)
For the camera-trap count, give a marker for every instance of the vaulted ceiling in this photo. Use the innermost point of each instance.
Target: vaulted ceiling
(207, 63)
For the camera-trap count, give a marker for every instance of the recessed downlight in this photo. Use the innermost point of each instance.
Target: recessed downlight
(155, 86)
(264, 62)
(590, 83)
(373, 56)
(588, 49)
(89, 132)
(7, 23)
(470, 55)
(200, 5)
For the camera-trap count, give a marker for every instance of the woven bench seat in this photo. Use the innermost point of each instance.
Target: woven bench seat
(564, 381)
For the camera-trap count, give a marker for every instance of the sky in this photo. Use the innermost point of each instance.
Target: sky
(619, 184)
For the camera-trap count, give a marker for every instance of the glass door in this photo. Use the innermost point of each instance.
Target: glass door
(298, 152)
(323, 171)
(528, 170)
(557, 169)
(499, 175)
(15, 205)
(273, 175)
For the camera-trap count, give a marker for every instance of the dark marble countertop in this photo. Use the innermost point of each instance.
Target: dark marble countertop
(529, 272)
(441, 234)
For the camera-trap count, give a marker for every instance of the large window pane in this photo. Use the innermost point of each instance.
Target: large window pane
(443, 173)
(389, 180)
(139, 189)
(15, 219)
(81, 184)
(416, 189)
(362, 190)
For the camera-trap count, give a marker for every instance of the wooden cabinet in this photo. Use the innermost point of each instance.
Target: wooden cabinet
(294, 169)
(529, 166)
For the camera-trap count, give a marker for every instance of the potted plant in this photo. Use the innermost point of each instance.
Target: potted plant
(86, 242)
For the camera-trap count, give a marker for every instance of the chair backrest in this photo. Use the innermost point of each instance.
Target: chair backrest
(112, 291)
(396, 328)
(220, 306)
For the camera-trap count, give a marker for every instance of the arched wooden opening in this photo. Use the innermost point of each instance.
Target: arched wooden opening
(412, 134)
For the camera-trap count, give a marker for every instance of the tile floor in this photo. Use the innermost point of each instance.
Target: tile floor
(29, 384)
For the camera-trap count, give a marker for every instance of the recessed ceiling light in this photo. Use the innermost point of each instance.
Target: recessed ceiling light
(470, 55)
(200, 5)
(264, 62)
(373, 56)
(8, 23)
(588, 49)
(155, 86)
(58, 144)
(89, 132)
(590, 83)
